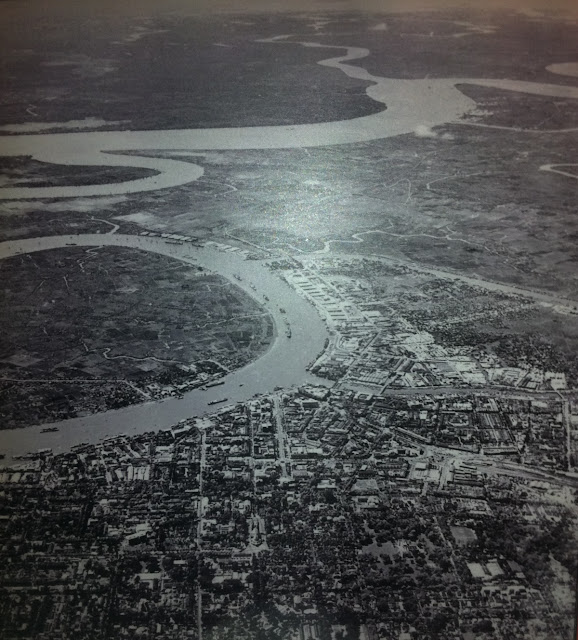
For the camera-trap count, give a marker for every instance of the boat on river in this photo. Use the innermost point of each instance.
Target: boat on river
(218, 401)
(214, 383)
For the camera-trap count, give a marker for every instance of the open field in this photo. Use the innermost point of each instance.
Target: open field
(109, 327)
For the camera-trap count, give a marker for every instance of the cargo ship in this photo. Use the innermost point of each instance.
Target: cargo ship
(214, 383)
(217, 401)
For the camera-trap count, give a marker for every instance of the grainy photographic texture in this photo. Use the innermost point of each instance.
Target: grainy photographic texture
(288, 321)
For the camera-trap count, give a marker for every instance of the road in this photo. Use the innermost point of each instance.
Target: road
(567, 419)
(199, 536)
(280, 434)
(495, 390)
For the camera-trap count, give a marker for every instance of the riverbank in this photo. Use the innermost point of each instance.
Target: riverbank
(283, 365)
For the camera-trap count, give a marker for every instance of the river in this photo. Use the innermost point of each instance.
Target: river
(410, 104)
(283, 365)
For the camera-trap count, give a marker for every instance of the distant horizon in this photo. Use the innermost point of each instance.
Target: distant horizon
(198, 7)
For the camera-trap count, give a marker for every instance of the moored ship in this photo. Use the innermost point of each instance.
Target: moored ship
(218, 401)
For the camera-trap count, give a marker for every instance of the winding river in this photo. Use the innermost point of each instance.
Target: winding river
(409, 104)
(283, 365)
